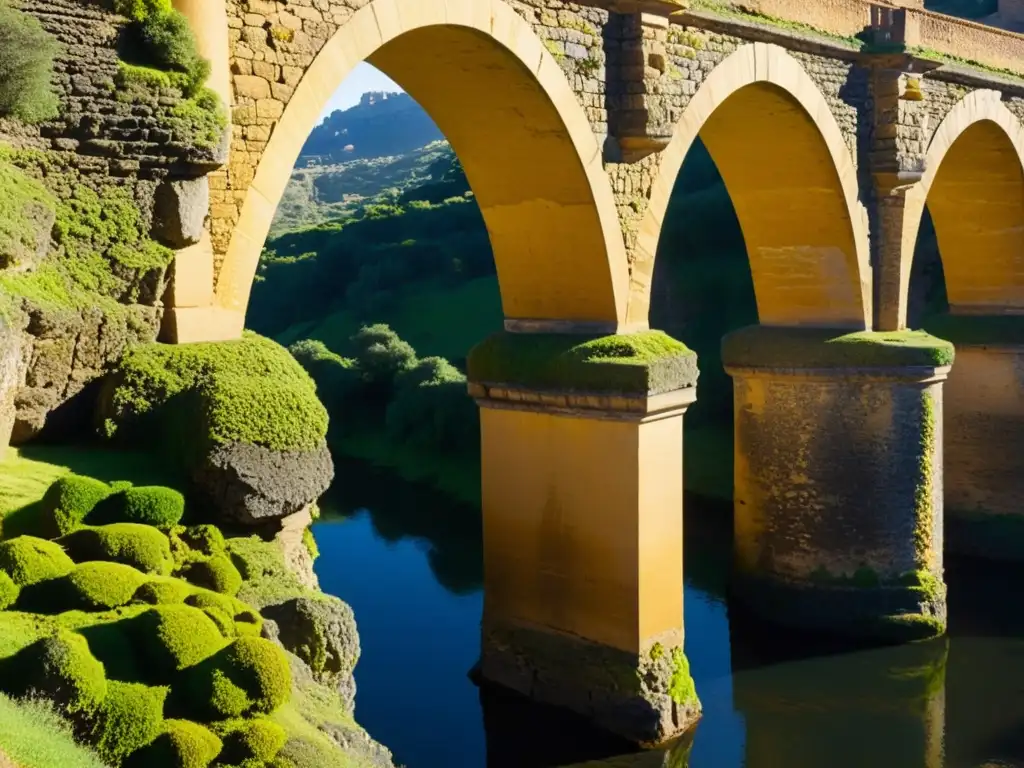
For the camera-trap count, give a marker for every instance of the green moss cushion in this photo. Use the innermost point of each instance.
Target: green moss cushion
(130, 718)
(94, 586)
(28, 560)
(246, 620)
(173, 637)
(163, 592)
(67, 503)
(217, 574)
(148, 505)
(140, 546)
(183, 744)
(59, 667)
(257, 740)
(250, 676)
(8, 591)
(647, 363)
(760, 346)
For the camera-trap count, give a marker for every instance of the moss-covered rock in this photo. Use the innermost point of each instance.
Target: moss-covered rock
(130, 717)
(760, 346)
(234, 414)
(182, 744)
(267, 580)
(8, 591)
(256, 740)
(250, 676)
(67, 503)
(646, 363)
(217, 574)
(322, 632)
(163, 592)
(59, 667)
(28, 560)
(140, 546)
(148, 505)
(205, 538)
(135, 399)
(173, 637)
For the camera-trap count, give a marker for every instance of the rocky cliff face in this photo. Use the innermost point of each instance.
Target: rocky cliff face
(125, 164)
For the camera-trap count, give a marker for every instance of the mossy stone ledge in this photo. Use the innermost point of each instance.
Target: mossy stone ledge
(776, 347)
(644, 363)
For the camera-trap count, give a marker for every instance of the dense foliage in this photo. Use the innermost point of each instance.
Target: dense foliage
(27, 52)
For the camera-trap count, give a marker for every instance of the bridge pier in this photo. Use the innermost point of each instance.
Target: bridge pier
(984, 415)
(838, 479)
(582, 517)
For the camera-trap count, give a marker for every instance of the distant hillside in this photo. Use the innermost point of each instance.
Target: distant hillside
(325, 193)
(382, 146)
(381, 125)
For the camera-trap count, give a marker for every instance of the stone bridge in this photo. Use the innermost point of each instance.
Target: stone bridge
(833, 125)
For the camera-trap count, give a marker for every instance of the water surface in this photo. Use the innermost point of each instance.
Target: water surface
(409, 563)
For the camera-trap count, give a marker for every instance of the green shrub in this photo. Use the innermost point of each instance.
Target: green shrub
(170, 45)
(130, 718)
(280, 412)
(258, 740)
(93, 586)
(8, 591)
(59, 667)
(28, 560)
(249, 676)
(432, 409)
(381, 356)
(68, 501)
(217, 574)
(173, 637)
(183, 744)
(27, 52)
(140, 10)
(147, 505)
(164, 592)
(139, 546)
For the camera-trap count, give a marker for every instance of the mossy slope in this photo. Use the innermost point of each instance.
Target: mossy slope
(150, 669)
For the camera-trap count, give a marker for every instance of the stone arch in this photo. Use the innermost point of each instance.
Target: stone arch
(973, 186)
(792, 181)
(528, 150)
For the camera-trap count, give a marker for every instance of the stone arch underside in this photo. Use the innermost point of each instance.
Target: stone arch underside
(792, 181)
(527, 148)
(974, 189)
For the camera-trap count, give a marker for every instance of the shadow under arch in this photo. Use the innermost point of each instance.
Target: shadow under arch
(791, 178)
(524, 141)
(973, 187)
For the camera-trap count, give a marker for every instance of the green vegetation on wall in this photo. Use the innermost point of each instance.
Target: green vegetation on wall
(96, 252)
(27, 52)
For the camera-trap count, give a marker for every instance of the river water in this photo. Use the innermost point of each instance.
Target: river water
(408, 561)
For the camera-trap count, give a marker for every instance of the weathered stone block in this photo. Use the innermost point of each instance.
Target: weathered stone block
(253, 485)
(180, 208)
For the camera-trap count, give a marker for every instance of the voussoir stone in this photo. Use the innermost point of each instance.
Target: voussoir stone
(253, 485)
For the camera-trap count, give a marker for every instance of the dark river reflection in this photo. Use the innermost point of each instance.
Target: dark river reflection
(409, 563)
